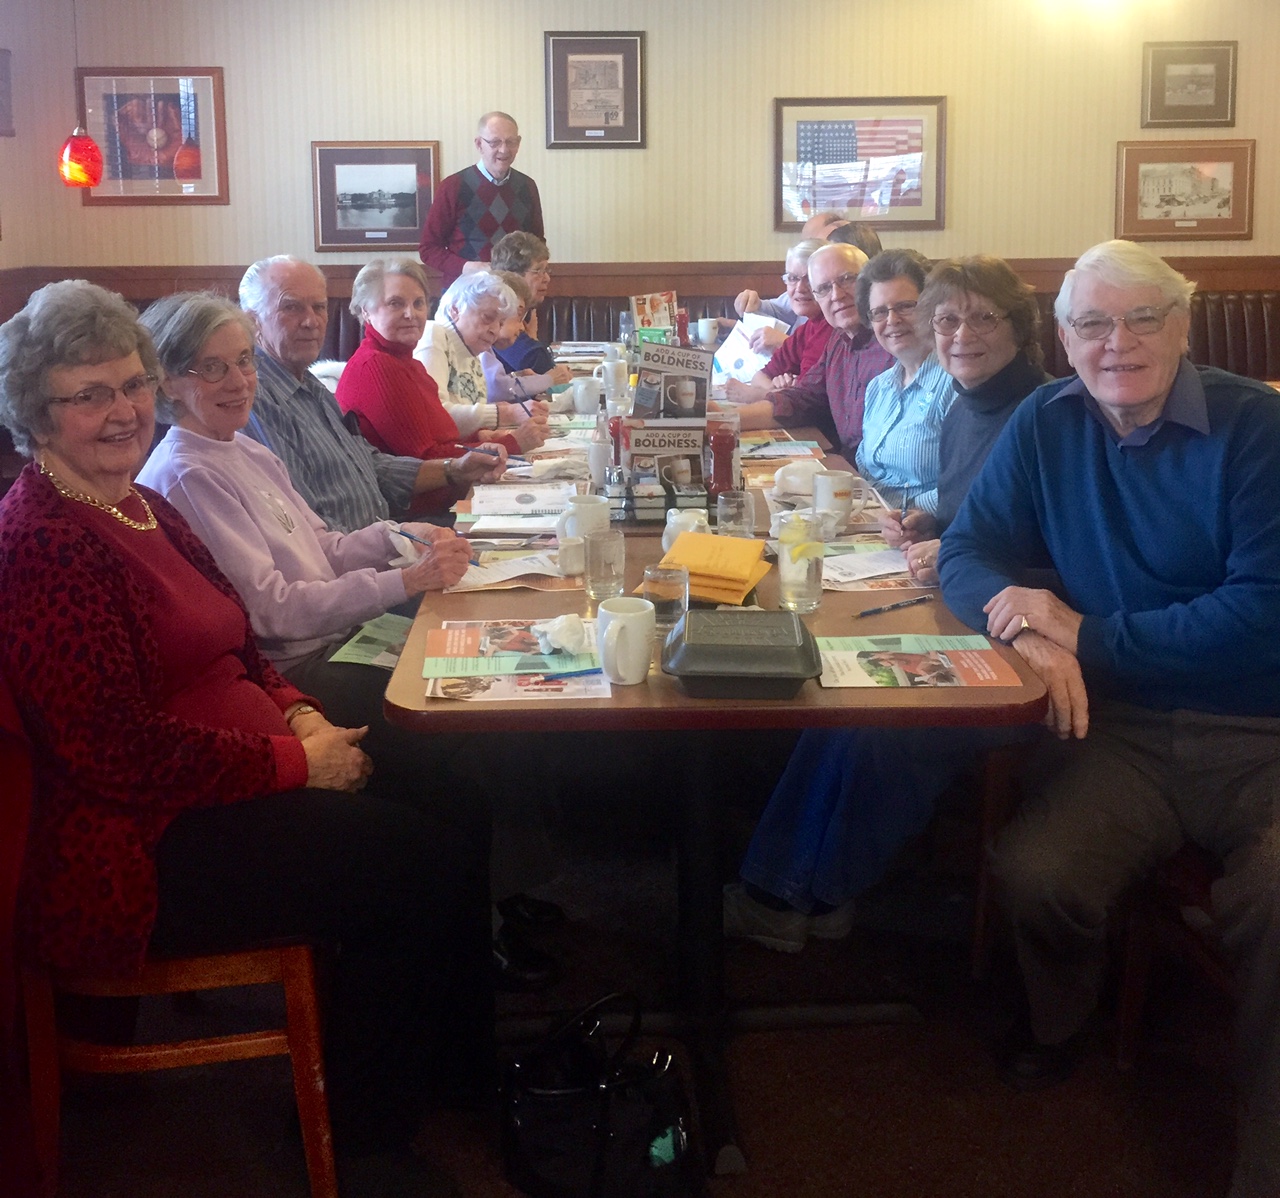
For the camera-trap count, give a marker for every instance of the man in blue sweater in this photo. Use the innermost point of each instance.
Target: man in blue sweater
(1153, 489)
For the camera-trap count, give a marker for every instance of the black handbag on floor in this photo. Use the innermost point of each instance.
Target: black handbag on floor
(581, 1122)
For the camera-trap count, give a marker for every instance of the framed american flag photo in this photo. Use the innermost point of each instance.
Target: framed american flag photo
(881, 160)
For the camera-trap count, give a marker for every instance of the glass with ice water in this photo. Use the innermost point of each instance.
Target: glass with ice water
(606, 560)
(800, 554)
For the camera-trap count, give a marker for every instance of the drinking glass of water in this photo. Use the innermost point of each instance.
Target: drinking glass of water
(667, 588)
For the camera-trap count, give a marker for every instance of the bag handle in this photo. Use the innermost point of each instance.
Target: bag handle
(589, 1016)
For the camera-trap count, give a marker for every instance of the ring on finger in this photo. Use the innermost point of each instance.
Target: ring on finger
(1024, 625)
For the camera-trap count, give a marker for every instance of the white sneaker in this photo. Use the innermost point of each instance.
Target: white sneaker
(835, 924)
(783, 931)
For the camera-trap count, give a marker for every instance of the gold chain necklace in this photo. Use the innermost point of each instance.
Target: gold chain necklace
(80, 497)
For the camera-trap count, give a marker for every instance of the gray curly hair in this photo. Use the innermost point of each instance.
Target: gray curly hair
(466, 291)
(366, 290)
(69, 323)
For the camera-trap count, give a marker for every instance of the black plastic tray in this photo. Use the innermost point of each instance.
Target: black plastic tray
(741, 654)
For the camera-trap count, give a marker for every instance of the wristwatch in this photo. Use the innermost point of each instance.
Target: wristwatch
(302, 709)
(449, 480)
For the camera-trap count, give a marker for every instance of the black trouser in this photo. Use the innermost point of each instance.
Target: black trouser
(398, 896)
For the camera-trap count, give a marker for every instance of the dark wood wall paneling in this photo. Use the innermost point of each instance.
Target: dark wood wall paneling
(590, 279)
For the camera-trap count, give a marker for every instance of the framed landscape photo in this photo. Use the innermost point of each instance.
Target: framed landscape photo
(881, 160)
(372, 194)
(1184, 190)
(1188, 85)
(162, 132)
(595, 91)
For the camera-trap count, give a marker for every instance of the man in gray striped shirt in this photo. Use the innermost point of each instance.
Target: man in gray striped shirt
(346, 482)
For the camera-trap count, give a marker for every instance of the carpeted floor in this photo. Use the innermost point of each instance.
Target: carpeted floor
(904, 1110)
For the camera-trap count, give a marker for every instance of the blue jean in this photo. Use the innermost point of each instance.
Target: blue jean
(849, 799)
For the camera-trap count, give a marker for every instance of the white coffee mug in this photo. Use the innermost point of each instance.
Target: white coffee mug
(624, 638)
(585, 513)
(833, 491)
(683, 393)
(708, 330)
(571, 556)
(678, 473)
(586, 396)
(684, 519)
(614, 377)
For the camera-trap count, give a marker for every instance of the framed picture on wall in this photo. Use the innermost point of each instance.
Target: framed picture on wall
(1184, 190)
(162, 132)
(372, 194)
(876, 159)
(1188, 85)
(595, 91)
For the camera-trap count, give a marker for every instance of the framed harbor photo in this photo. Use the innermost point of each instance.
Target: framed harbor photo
(595, 91)
(372, 195)
(1184, 190)
(1188, 85)
(162, 132)
(881, 160)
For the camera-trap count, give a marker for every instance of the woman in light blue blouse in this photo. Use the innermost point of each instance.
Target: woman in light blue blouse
(905, 405)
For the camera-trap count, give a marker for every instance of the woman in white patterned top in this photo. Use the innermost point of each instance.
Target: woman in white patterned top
(468, 320)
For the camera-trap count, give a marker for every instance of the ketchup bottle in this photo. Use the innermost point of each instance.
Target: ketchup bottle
(722, 437)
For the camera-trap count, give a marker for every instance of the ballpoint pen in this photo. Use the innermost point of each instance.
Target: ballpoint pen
(408, 536)
(875, 611)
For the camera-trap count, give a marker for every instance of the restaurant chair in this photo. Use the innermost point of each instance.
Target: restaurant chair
(1171, 909)
(51, 1050)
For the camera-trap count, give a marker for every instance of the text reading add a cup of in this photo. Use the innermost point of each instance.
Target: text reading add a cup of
(624, 637)
(585, 514)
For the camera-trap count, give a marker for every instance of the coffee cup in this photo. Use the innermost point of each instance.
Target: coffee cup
(683, 394)
(708, 330)
(833, 491)
(677, 473)
(571, 556)
(586, 396)
(585, 514)
(625, 629)
(613, 375)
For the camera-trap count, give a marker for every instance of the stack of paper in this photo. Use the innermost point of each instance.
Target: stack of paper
(721, 569)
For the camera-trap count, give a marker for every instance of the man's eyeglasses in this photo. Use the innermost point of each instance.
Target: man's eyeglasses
(100, 397)
(948, 323)
(1141, 322)
(214, 370)
(844, 283)
(501, 143)
(902, 308)
(790, 280)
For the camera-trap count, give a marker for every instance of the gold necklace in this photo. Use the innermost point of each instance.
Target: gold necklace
(80, 497)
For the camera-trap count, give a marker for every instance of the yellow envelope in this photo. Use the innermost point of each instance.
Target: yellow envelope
(711, 589)
(731, 559)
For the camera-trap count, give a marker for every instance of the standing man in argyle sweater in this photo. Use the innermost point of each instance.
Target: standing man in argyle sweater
(473, 210)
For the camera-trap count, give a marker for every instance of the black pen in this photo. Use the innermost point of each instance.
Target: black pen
(408, 536)
(875, 611)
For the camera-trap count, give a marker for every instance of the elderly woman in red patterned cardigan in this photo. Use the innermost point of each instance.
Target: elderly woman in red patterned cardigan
(188, 798)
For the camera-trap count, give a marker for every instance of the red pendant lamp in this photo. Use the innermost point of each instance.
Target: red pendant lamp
(80, 163)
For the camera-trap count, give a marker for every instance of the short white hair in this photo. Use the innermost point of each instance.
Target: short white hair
(801, 252)
(466, 291)
(1125, 264)
(854, 256)
(255, 291)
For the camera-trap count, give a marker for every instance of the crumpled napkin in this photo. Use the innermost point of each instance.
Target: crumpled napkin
(407, 551)
(564, 632)
(574, 467)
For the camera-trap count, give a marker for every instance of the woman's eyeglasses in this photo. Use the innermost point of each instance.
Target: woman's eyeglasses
(948, 323)
(100, 396)
(214, 370)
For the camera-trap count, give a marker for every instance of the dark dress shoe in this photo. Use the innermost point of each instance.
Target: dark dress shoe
(520, 967)
(530, 912)
(1026, 1064)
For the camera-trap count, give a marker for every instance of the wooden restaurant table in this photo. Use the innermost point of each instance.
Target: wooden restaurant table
(659, 705)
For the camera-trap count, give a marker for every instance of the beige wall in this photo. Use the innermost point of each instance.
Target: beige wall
(1038, 93)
